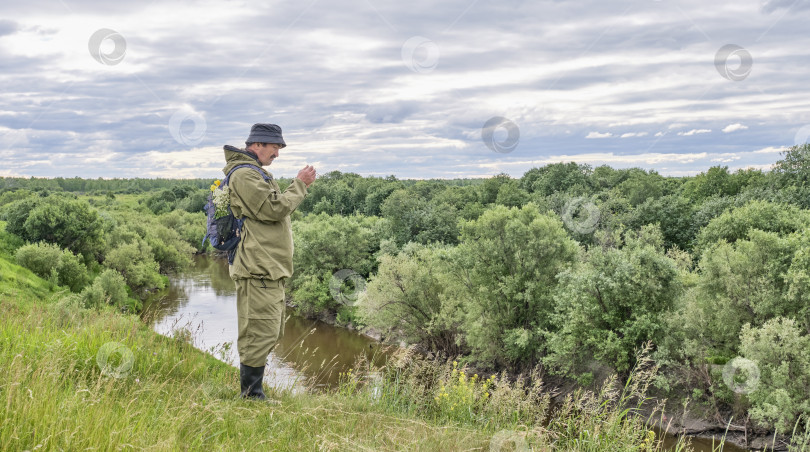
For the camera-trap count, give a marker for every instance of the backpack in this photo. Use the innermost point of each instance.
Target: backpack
(224, 233)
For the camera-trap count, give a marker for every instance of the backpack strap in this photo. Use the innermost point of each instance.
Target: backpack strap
(246, 165)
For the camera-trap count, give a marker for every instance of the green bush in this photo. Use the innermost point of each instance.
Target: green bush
(312, 296)
(189, 226)
(69, 223)
(745, 282)
(507, 261)
(194, 202)
(614, 302)
(114, 286)
(72, 272)
(325, 244)
(41, 258)
(780, 350)
(137, 264)
(93, 297)
(406, 299)
(109, 288)
(168, 248)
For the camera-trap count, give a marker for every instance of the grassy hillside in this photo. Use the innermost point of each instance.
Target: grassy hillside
(159, 393)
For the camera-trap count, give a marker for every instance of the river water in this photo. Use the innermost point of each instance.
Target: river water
(201, 303)
(311, 354)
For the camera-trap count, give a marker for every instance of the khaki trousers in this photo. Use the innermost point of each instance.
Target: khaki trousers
(261, 310)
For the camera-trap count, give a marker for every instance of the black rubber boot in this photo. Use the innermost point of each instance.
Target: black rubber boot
(251, 379)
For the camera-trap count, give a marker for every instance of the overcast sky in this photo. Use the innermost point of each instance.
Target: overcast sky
(417, 89)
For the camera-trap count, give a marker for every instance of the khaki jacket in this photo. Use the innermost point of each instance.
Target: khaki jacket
(266, 248)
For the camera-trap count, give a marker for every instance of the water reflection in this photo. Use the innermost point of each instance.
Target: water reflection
(202, 302)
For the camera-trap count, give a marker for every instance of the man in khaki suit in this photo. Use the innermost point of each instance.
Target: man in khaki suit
(263, 259)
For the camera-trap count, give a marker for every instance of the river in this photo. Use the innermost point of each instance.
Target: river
(311, 354)
(202, 301)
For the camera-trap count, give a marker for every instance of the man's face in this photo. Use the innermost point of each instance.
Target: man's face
(266, 152)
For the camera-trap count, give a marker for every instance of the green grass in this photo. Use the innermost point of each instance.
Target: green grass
(54, 395)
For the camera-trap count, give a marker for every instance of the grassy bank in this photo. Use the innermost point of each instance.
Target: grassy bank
(76, 379)
(54, 394)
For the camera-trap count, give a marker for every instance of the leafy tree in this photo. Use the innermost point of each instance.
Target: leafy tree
(710, 209)
(406, 299)
(715, 182)
(488, 191)
(792, 174)
(779, 350)
(744, 283)
(507, 262)
(511, 195)
(604, 178)
(612, 303)
(414, 219)
(463, 199)
(10, 196)
(672, 213)
(324, 245)
(641, 185)
(69, 223)
(735, 224)
(15, 214)
(372, 205)
(557, 177)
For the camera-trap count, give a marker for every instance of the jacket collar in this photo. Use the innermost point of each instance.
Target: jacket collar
(245, 152)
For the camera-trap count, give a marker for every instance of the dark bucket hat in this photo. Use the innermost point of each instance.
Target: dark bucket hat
(265, 133)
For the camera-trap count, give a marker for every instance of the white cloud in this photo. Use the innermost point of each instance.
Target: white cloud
(694, 132)
(592, 135)
(633, 134)
(771, 150)
(734, 127)
(726, 158)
